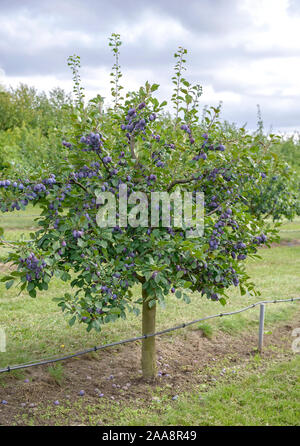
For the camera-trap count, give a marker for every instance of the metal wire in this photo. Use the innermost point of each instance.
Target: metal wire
(15, 242)
(139, 338)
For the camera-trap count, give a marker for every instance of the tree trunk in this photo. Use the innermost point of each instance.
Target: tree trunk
(148, 344)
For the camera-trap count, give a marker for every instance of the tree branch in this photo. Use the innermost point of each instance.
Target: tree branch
(80, 185)
(212, 212)
(105, 166)
(180, 181)
(3, 242)
(132, 148)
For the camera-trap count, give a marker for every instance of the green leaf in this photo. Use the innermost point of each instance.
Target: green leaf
(178, 294)
(56, 245)
(186, 299)
(81, 243)
(154, 87)
(5, 278)
(65, 276)
(152, 303)
(32, 293)
(72, 321)
(30, 286)
(115, 310)
(222, 301)
(187, 284)
(9, 284)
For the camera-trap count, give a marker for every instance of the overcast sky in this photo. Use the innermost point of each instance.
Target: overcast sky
(243, 52)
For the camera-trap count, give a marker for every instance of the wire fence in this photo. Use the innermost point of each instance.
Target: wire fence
(13, 242)
(23, 216)
(158, 333)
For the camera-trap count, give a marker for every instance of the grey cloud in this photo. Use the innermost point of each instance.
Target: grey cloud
(206, 19)
(212, 25)
(203, 18)
(204, 15)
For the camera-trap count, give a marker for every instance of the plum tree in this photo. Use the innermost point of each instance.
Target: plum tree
(130, 144)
